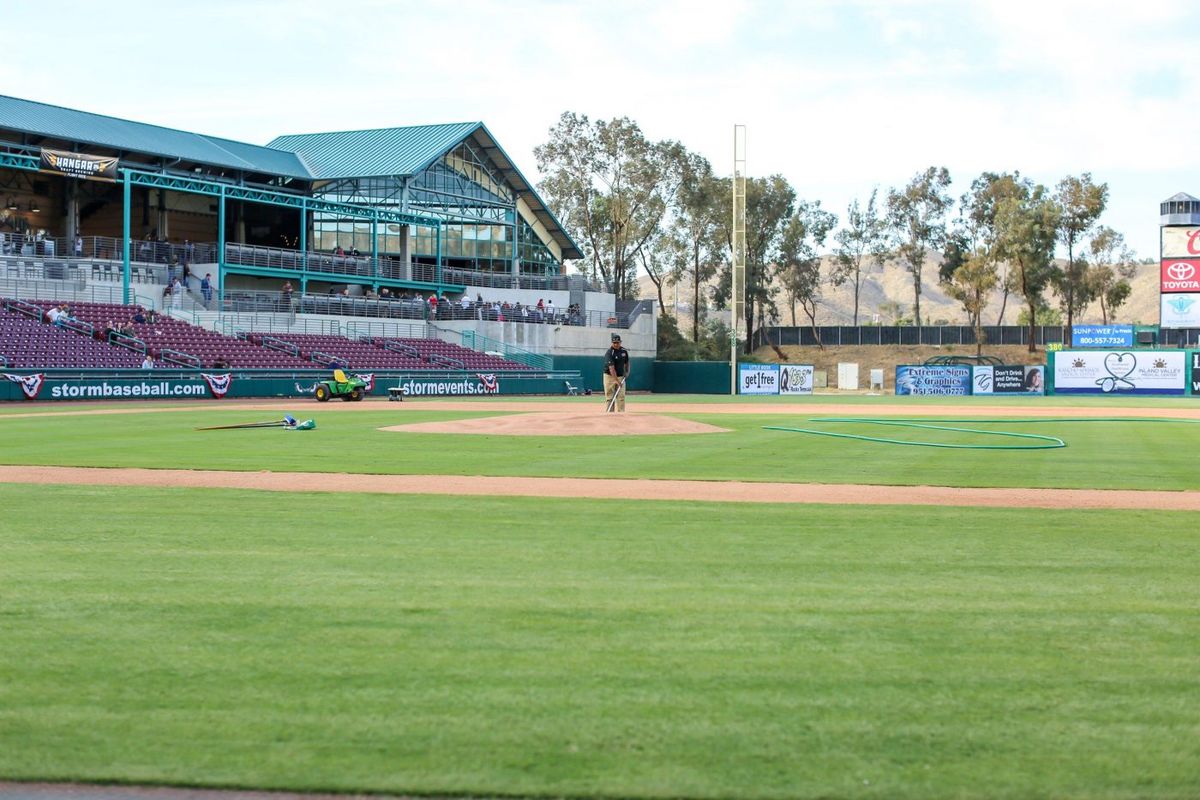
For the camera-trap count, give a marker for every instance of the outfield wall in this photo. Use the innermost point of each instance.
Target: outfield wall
(164, 384)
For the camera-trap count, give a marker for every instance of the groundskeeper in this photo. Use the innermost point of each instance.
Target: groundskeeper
(616, 372)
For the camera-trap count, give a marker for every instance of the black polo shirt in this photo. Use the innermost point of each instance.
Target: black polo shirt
(619, 358)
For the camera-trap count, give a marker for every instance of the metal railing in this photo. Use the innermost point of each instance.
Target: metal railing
(484, 344)
(387, 330)
(108, 248)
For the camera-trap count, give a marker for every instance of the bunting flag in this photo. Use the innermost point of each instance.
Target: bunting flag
(30, 384)
(218, 384)
(491, 384)
(369, 378)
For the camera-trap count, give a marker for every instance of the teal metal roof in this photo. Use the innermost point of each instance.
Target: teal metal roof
(68, 124)
(407, 151)
(382, 151)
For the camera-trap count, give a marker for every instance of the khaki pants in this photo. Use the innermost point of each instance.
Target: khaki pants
(611, 385)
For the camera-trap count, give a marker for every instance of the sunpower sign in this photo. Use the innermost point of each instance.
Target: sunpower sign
(1180, 275)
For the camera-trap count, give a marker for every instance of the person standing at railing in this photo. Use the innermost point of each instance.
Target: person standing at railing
(176, 294)
(79, 247)
(206, 289)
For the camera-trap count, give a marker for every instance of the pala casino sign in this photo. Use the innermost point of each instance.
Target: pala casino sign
(79, 165)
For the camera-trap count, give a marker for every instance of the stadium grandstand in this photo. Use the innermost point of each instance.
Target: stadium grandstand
(376, 238)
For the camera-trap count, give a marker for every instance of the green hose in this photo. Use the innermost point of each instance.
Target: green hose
(1045, 442)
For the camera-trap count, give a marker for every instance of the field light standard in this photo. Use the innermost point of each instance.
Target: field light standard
(738, 256)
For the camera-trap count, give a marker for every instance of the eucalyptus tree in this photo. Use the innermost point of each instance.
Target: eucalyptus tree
(696, 231)
(859, 245)
(799, 266)
(916, 217)
(1113, 266)
(611, 188)
(1082, 202)
(1027, 226)
(769, 205)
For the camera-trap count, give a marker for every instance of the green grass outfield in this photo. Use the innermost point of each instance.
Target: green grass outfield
(552, 647)
(1101, 455)
(596, 648)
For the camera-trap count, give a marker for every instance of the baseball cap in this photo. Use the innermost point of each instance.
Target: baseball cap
(616, 337)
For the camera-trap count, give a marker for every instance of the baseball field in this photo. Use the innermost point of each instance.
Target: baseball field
(505, 598)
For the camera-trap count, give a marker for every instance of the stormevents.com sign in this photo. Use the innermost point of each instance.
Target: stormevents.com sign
(933, 380)
(1115, 371)
(758, 379)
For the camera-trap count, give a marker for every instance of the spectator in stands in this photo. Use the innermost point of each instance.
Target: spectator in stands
(338, 251)
(354, 252)
(550, 310)
(220, 363)
(151, 316)
(540, 305)
(148, 361)
(369, 294)
(139, 316)
(166, 295)
(206, 288)
(79, 247)
(433, 304)
(285, 295)
(176, 294)
(53, 315)
(386, 294)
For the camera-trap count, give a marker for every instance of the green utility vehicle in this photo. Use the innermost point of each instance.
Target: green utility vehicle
(347, 387)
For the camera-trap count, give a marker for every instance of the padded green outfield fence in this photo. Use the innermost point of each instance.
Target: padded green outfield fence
(159, 384)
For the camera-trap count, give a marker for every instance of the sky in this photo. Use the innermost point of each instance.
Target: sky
(839, 96)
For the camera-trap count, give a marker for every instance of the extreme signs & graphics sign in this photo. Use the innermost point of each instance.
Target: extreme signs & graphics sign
(952, 379)
(1117, 371)
(79, 165)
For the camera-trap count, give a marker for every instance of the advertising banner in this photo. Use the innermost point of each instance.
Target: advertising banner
(1179, 311)
(795, 379)
(1180, 241)
(43, 387)
(1180, 275)
(758, 379)
(436, 387)
(1101, 336)
(1196, 372)
(1014, 379)
(1101, 372)
(79, 165)
(933, 380)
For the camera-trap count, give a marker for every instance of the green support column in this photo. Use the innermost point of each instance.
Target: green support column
(304, 234)
(437, 270)
(221, 249)
(125, 278)
(375, 247)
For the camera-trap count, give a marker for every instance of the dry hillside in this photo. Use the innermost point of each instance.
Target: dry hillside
(893, 284)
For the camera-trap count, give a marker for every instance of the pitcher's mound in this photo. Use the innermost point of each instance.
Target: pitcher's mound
(564, 423)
